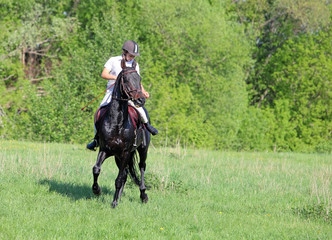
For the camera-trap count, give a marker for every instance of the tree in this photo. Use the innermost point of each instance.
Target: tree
(31, 44)
(194, 63)
(301, 72)
(272, 23)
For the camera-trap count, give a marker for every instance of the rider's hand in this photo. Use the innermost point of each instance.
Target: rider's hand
(146, 94)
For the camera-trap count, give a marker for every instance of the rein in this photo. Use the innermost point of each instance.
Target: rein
(97, 97)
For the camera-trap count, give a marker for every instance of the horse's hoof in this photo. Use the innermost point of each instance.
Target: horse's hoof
(144, 198)
(96, 190)
(114, 204)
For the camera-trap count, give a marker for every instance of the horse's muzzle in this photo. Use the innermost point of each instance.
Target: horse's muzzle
(139, 102)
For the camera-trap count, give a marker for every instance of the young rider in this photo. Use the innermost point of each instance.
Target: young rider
(112, 68)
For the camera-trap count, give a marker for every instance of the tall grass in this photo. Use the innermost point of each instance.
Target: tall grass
(45, 193)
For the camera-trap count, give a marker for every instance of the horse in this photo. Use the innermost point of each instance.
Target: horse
(119, 137)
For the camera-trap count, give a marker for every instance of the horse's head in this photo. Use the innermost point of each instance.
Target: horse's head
(130, 85)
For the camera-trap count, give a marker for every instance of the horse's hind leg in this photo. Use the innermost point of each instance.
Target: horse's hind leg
(142, 165)
(96, 171)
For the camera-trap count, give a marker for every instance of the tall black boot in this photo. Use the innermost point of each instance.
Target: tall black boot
(151, 129)
(93, 145)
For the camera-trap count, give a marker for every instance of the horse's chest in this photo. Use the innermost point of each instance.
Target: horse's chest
(118, 135)
(119, 140)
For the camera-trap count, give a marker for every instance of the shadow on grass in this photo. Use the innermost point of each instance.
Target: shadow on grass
(72, 191)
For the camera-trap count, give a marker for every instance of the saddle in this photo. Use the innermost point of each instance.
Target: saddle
(99, 115)
(134, 116)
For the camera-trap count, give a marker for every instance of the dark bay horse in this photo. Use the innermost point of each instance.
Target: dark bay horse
(118, 136)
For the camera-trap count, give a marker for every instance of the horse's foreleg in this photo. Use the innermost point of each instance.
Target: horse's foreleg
(123, 183)
(120, 180)
(119, 185)
(96, 171)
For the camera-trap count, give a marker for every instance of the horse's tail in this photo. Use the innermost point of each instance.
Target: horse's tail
(133, 168)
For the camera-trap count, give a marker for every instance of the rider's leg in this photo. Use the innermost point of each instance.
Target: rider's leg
(144, 118)
(92, 145)
(106, 100)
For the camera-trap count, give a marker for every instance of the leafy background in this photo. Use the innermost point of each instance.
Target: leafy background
(231, 75)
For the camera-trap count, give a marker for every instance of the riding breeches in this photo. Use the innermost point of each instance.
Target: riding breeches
(140, 110)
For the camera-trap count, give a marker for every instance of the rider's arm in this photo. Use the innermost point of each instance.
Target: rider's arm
(106, 75)
(146, 94)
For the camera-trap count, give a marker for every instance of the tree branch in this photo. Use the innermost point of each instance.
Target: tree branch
(263, 97)
(4, 79)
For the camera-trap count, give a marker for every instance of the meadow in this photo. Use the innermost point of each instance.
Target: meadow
(45, 193)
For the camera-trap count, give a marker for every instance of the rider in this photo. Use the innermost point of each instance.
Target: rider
(112, 68)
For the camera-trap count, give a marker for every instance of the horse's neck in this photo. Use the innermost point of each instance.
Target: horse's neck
(118, 113)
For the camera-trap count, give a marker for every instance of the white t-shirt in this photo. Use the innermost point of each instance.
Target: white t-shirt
(114, 66)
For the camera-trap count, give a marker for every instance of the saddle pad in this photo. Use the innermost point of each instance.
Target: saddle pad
(100, 113)
(133, 115)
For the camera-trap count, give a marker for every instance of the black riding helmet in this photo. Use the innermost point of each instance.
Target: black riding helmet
(131, 47)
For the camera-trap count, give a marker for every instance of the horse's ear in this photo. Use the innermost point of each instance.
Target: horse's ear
(134, 64)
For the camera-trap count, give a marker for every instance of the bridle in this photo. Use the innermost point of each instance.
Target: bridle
(129, 93)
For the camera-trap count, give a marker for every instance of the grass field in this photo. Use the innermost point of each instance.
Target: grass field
(45, 193)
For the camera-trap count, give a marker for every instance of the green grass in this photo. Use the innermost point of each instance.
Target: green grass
(45, 193)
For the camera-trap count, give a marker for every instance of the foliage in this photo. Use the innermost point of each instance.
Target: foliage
(237, 75)
(302, 76)
(31, 48)
(195, 73)
(291, 76)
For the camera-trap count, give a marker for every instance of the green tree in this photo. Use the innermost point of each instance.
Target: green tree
(271, 24)
(30, 48)
(291, 69)
(301, 72)
(203, 63)
(194, 59)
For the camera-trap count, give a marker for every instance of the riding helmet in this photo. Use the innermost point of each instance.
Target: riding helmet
(131, 47)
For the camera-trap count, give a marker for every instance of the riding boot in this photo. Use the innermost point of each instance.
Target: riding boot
(93, 145)
(151, 129)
